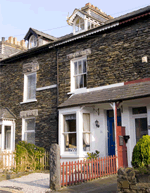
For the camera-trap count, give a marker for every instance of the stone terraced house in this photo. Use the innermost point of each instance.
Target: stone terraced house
(78, 89)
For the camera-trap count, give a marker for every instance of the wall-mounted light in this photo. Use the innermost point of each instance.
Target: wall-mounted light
(97, 123)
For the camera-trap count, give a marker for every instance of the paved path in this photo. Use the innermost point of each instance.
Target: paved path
(32, 183)
(39, 183)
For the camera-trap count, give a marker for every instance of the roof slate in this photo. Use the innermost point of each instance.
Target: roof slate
(125, 92)
(40, 34)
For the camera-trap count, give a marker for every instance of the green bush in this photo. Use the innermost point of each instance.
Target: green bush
(93, 155)
(141, 153)
(28, 156)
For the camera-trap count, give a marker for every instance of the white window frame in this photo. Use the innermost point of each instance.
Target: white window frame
(26, 85)
(64, 133)
(87, 132)
(136, 116)
(79, 152)
(23, 127)
(78, 90)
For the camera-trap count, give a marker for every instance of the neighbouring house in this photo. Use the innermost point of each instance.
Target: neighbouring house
(10, 47)
(78, 89)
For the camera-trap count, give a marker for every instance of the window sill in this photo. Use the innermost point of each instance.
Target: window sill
(29, 101)
(78, 91)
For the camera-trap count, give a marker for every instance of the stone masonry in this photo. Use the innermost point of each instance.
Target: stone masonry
(116, 56)
(133, 181)
(46, 104)
(113, 56)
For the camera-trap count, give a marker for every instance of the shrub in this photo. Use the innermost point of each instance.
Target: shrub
(28, 156)
(93, 155)
(141, 153)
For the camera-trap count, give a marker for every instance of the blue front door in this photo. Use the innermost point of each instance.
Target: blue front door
(111, 131)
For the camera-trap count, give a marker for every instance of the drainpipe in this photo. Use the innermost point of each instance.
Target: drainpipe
(57, 85)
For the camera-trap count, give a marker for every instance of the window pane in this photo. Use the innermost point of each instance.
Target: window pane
(7, 142)
(80, 79)
(70, 142)
(80, 67)
(139, 110)
(29, 124)
(141, 128)
(30, 137)
(84, 80)
(70, 126)
(88, 25)
(86, 142)
(84, 66)
(31, 86)
(76, 82)
(86, 122)
(75, 68)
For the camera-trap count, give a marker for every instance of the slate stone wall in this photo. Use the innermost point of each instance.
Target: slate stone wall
(133, 181)
(12, 83)
(116, 56)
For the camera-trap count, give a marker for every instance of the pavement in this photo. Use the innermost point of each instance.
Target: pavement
(39, 183)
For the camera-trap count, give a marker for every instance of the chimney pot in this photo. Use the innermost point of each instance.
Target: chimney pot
(88, 4)
(15, 40)
(3, 39)
(10, 40)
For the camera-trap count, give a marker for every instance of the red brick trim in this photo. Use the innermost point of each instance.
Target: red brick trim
(137, 17)
(137, 81)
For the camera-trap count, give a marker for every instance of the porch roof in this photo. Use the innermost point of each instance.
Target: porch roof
(5, 113)
(125, 92)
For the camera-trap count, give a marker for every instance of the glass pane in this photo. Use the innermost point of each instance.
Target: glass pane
(80, 78)
(86, 122)
(76, 82)
(75, 68)
(31, 86)
(70, 142)
(29, 124)
(139, 110)
(82, 26)
(30, 137)
(110, 113)
(84, 80)
(84, 66)
(88, 25)
(70, 126)
(113, 131)
(141, 128)
(80, 67)
(86, 142)
(7, 139)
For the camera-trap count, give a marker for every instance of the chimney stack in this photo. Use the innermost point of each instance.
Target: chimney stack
(3, 39)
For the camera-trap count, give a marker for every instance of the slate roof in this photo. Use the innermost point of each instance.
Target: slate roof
(6, 113)
(71, 37)
(126, 92)
(35, 31)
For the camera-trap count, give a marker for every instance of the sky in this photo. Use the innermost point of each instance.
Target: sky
(49, 16)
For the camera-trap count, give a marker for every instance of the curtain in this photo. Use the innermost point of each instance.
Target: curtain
(86, 128)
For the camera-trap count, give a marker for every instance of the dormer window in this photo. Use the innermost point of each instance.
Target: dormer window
(79, 25)
(32, 42)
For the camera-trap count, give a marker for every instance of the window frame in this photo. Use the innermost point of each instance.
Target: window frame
(34, 39)
(24, 127)
(25, 97)
(87, 132)
(73, 89)
(69, 132)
